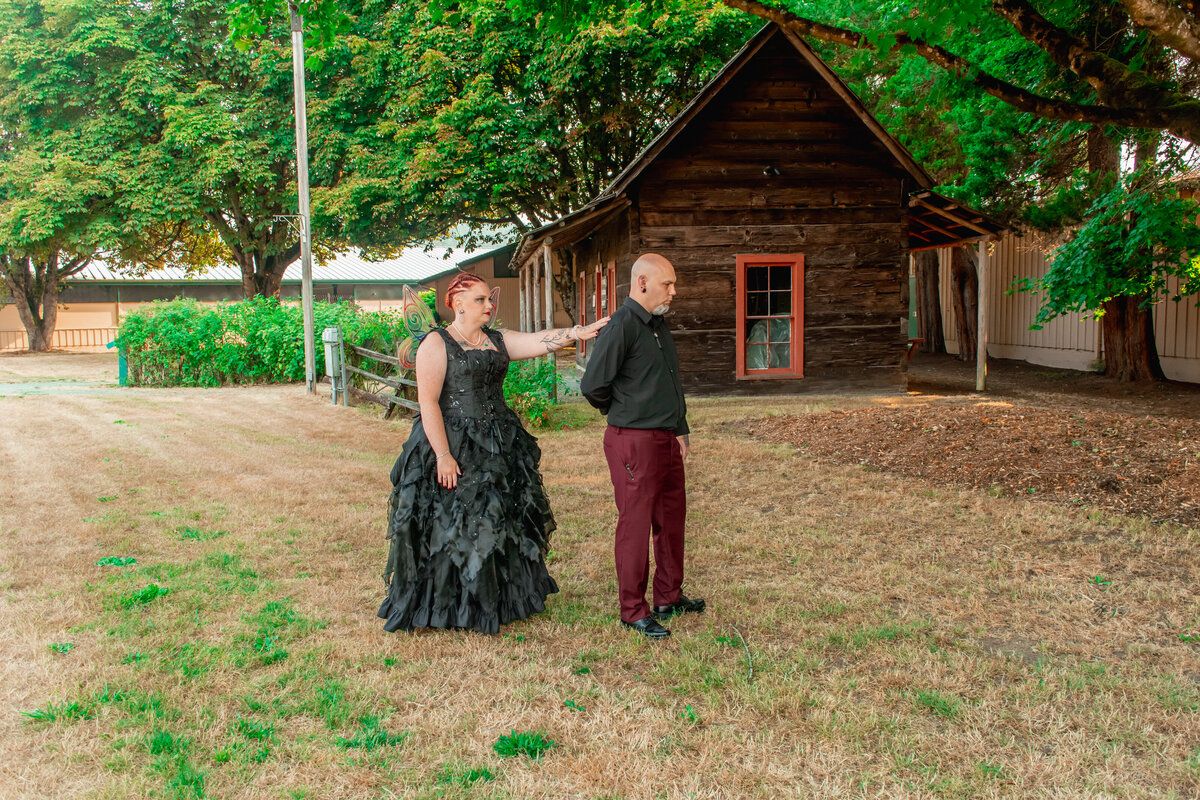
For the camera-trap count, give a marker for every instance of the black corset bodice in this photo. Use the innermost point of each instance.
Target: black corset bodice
(474, 383)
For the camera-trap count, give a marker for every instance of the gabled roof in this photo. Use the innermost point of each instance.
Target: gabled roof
(576, 224)
(727, 73)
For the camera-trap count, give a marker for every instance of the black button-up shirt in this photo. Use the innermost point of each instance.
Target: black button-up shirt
(633, 372)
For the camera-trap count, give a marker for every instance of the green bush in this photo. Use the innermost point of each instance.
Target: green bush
(529, 389)
(261, 340)
(183, 343)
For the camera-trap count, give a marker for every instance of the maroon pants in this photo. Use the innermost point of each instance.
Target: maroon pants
(646, 467)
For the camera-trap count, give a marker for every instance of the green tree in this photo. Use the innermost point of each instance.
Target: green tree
(502, 114)
(1098, 73)
(61, 153)
(1139, 221)
(1022, 110)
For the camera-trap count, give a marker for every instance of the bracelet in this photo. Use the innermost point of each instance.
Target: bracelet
(574, 333)
(439, 458)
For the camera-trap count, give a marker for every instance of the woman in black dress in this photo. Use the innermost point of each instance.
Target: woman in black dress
(468, 520)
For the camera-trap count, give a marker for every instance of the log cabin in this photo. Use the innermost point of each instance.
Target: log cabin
(789, 214)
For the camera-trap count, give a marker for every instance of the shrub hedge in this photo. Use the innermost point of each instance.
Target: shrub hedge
(183, 343)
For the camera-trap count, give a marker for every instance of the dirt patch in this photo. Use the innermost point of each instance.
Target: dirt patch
(1129, 463)
(58, 365)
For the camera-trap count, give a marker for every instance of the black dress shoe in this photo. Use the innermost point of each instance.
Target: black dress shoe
(680, 606)
(648, 627)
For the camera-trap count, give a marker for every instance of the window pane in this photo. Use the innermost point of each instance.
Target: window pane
(781, 304)
(756, 356)
(756, 279)
(780, 330)
(781, 277)
(758, 332)
(756, 304)
(780, 356)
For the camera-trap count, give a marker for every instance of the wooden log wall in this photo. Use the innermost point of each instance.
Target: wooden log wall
(777, 163)
(610, 242)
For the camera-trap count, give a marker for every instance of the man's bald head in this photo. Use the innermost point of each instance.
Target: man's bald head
(652, 283)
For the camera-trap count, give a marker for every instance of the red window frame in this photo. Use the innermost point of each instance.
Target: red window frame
(796, 353)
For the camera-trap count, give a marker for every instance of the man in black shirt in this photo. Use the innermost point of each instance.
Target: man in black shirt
(633, 377)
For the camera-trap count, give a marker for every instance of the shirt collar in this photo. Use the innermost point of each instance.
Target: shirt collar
(633, 305)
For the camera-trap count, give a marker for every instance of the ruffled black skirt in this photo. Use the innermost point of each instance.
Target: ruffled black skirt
(470, 557)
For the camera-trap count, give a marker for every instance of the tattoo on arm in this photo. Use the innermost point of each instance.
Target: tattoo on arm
(687, 440)
(555, 339)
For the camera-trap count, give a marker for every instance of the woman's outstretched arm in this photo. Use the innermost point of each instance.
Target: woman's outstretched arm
(522, 345)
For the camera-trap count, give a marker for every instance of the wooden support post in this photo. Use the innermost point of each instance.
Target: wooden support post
(984, 299)
(521, 277)
(548, 276)
(535, 304)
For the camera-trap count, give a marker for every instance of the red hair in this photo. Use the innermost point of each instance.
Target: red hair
(462, 283)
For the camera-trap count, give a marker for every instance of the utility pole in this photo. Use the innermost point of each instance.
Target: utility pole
(306, 292)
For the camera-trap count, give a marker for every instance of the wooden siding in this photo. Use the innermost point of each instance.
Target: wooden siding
(837, 199)
(1069, 341)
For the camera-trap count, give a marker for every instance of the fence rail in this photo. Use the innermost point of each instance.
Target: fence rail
(66, 338)
(395, 382)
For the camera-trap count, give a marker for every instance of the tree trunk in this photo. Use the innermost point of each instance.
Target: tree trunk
(929, 302)
(34, 290)
(964, 289)
(1130, 353)
(263, 277)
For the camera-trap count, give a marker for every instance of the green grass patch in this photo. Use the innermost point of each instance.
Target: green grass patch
(463, 775)
(66, 711)
(936, 702)
(990, 771)
(526, 743)
(159, 741)
(62, 648)
(370, 736)
(253, 730)
(275, 622)
(186, 780)
(116, 561)
(189, 533)
(140, 597)
(233, 575)
(865, 636)
(191, 660)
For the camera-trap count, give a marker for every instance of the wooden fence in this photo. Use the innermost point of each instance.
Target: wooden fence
(399, 384)
(1069, 341)
(82, 339)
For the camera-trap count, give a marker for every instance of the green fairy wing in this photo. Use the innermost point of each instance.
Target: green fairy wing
(419, 321)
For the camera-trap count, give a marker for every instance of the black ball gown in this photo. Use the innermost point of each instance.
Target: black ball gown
(470, 557)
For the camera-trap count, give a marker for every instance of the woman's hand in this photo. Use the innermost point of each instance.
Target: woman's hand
(448, 471)
(585, 332)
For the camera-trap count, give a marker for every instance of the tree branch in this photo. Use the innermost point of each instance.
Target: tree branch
(1173, 27)
(1107, 76)
(1022, 99)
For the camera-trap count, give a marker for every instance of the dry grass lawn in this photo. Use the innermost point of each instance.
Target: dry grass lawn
(868, 634)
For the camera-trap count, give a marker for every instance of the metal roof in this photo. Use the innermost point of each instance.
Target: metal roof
(413, 265)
